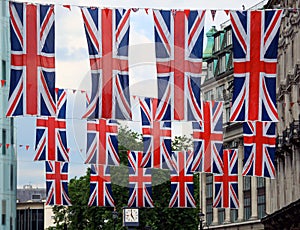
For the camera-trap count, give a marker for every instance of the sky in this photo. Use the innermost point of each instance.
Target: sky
(72, 71)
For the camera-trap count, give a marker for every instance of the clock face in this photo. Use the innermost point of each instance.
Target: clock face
(131, 215)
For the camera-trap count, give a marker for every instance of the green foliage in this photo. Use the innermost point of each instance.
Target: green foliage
(81, 216)
(181, 143)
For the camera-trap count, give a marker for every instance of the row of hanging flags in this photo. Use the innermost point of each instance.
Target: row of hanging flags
(179, 48)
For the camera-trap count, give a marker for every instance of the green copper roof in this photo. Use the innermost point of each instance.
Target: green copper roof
(210, 42)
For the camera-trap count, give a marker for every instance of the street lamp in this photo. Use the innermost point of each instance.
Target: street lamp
(115, 217)
(201, 219)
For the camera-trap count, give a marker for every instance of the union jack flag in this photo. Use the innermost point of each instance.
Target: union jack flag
(100, 186)
(179, 48)
(102, 142)
(107, 33)
(208, 137)
(182, 181)
(32, 80)
(57, 183)
(226, 181)
(156, 136)
(140, 181)
(51, 137)
(255, 42)
(259, 149)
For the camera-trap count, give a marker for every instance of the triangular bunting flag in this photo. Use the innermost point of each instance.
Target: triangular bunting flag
(27, 147)
(67, 6)
(146, 10)
(226, 12)
(213, 14)
(3, 83)
(187, 13)
(7, 145)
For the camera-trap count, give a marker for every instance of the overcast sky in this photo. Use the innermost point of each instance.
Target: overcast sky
(72, 70)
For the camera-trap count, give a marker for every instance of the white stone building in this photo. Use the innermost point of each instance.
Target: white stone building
(8, 161)
(285, 190)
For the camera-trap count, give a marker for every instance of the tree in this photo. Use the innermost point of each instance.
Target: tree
(80, 216)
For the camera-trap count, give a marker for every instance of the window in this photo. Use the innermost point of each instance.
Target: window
(208, 96)
(261, 197)
(222, 64)
(229, 37)
(247, 197)
(227, 114)
(247, 208)
(220, 90)
(233, 215)
(3, 77)
(209, 198)
(11, 178)
(35, 196)
(209, 186)
(209, 213)
(3, 217)
(247, 183)
(217, 43)
(3, 142)
(221, 215)
(260, 182)
(12, 131)
(210, 70)
(261, 206)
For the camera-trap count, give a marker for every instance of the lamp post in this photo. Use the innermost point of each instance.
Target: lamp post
(115, 217)
(201, 219)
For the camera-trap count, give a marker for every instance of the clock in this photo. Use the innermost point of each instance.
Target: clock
(130, 217)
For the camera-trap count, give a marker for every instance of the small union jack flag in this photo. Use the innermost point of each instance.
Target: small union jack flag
(156, 136)
(255, 43)
(226, 181)
(179, 47)
(51, 137)
(182, 181)
(102, 142)
(57, 183)
(208, 137)
(32, 79)
(140, 181)
(107, 33)
(100, 186)
(259, 149)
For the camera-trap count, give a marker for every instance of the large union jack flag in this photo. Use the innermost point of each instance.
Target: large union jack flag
(156, 136)
(179, 48)
(100, 186)
(226, 181)
(107, 33)
(182, 181)
(51, 137)
(140, 181)
(255, 43)
(32, 79)
(208, 137)
(57, 183)
(259, 149)
(102, 142)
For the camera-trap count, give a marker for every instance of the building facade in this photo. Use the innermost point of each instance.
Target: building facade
(285, 190)
(254, 192)
(32, 211)
(8, 161)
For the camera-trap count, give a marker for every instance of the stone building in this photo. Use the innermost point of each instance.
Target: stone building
(32, 211)
(285, 190)
(8, 160)
(254, 192)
